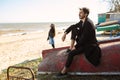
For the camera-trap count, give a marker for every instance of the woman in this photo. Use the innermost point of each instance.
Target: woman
(51, 35)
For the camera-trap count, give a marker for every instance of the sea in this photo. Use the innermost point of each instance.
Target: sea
(33, 27)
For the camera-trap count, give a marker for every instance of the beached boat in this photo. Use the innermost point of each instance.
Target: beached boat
(54, 60)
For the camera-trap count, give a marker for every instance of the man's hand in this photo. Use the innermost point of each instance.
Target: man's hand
(73, 48)
(64, 37)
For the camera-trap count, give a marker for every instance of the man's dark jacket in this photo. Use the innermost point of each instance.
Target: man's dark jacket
(84, 34)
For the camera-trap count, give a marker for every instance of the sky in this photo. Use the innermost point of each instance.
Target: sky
(17, 11)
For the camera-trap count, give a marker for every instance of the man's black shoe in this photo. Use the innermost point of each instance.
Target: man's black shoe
(60, 75)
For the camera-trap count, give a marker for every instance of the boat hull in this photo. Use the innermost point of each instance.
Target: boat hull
(55, 59)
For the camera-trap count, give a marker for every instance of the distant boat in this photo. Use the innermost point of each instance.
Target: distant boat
(54, 60)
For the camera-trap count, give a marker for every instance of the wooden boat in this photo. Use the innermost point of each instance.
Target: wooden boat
(109, 23)
(54, 60)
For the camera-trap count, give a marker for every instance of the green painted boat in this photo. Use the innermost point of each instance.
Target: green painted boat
(108, 28)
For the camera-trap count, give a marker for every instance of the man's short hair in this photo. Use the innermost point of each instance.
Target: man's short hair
(85, 10)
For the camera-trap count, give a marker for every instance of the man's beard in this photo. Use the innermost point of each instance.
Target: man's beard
(82, 17)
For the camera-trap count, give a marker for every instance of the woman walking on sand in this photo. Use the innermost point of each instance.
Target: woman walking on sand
(51, 35)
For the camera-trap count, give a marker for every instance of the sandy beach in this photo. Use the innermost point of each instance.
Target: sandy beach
(18, 48)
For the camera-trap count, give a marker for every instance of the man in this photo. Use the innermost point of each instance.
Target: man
(84, 34)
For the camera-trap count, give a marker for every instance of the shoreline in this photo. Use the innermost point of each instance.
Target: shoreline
(16, 32)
